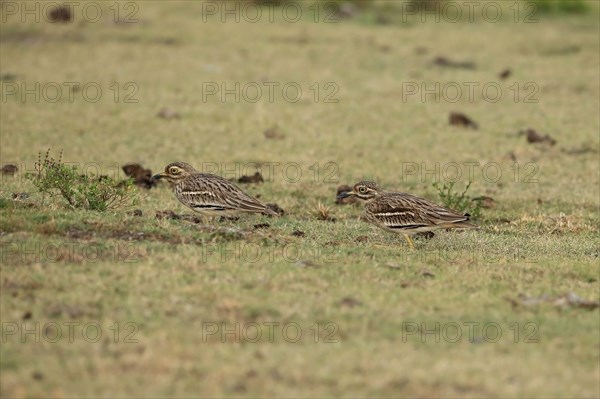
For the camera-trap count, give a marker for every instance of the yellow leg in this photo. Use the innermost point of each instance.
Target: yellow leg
(409, 241)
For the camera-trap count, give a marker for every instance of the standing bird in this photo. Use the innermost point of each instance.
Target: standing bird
(208, 194)
(405, 213)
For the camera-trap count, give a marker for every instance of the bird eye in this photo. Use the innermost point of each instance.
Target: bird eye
(174, 170)
(362, 190)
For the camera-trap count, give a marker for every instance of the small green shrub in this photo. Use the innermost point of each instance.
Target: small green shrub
(460, 202)
(100, 193)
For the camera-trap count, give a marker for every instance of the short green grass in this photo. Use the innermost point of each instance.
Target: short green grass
(363, 301)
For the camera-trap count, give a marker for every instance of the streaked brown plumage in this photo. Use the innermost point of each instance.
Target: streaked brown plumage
(405, 213)
(208, 194)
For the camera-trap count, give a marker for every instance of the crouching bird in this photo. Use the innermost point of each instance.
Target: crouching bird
(405, 213)
(208, 194)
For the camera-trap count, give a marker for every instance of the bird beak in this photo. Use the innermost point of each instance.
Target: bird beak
(158, 176)
(346, 194)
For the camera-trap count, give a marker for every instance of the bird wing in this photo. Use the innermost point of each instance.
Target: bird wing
(394, 214)
(216, 193)
(200, 197)
(406, 211)
(435, 214)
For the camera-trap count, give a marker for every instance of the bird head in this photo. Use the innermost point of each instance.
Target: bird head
(364, 190)
(176, 172)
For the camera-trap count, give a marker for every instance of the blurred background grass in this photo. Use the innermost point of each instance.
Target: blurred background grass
(539, 239)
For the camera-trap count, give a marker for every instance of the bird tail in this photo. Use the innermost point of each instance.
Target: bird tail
(463, 223)
(271, 210)
(459, 222)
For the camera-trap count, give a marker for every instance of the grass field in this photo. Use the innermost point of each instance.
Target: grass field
(107, 304)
